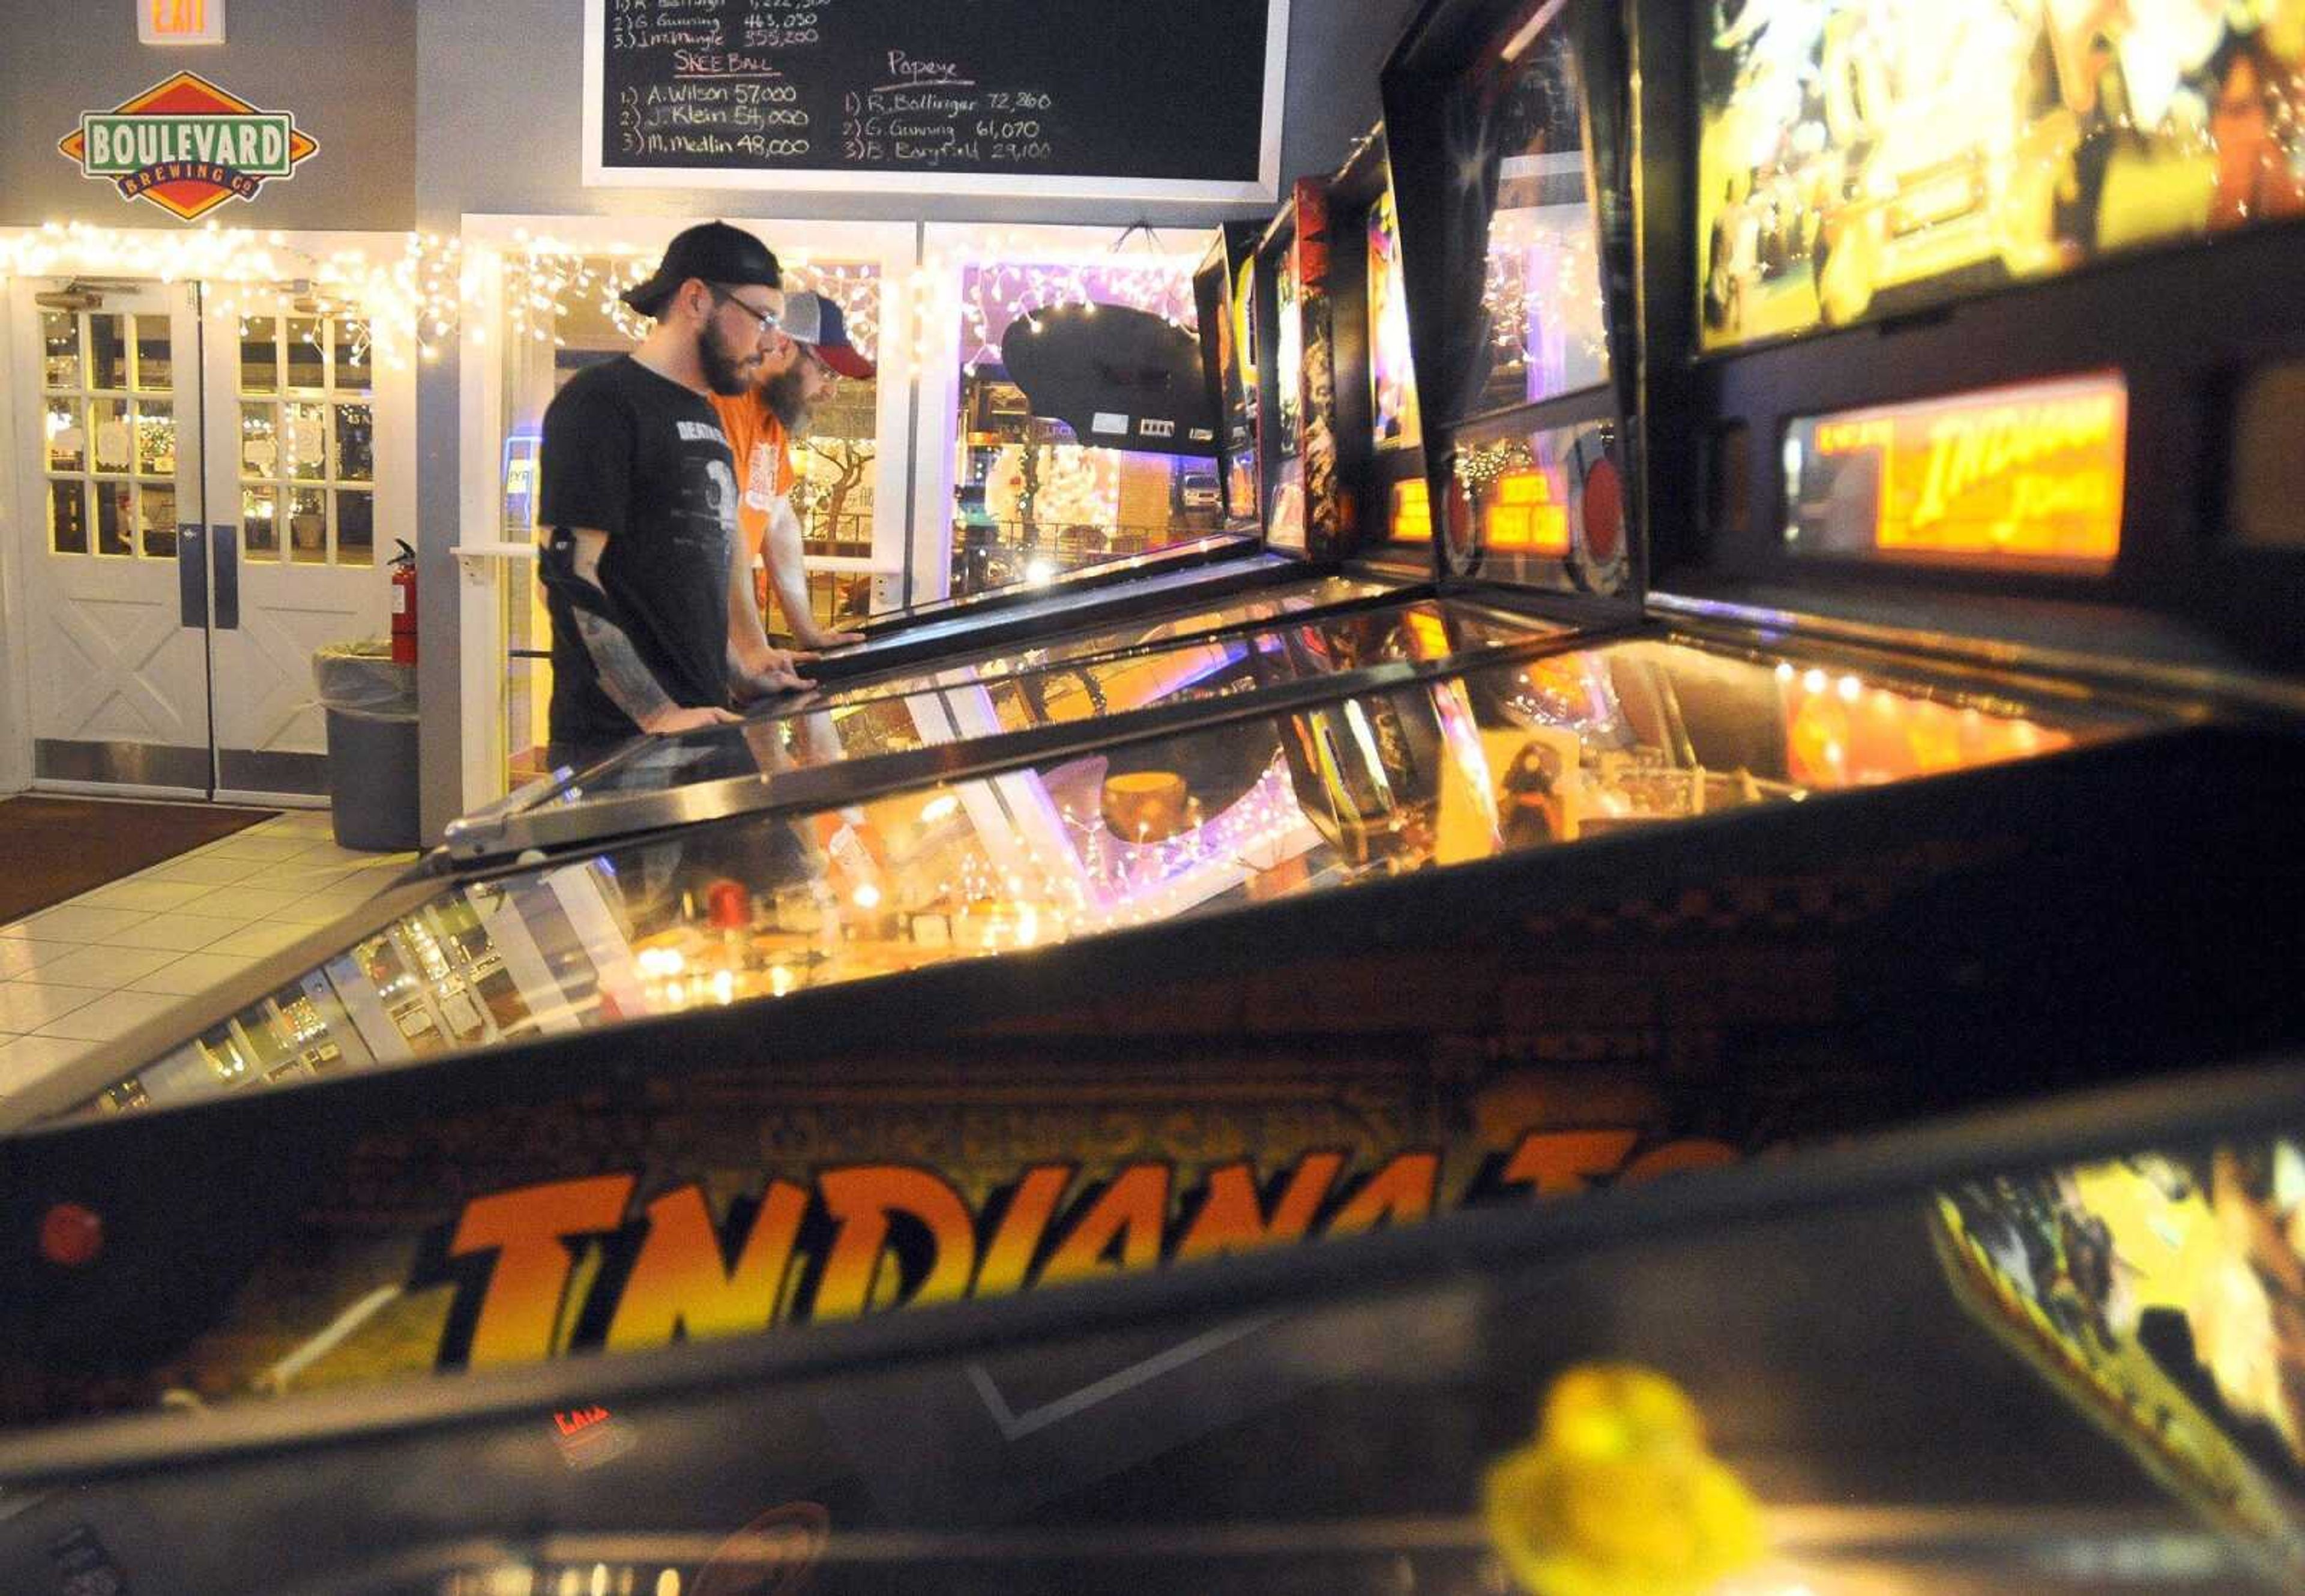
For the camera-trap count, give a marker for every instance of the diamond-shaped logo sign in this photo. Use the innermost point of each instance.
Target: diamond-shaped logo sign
(187, 146)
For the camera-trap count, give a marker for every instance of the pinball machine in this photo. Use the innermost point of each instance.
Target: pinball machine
(1063, 1014)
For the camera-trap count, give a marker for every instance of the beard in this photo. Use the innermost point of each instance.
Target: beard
(726, 372)
(783, 395)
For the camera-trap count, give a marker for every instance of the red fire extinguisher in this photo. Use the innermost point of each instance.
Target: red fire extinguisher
(403, 604)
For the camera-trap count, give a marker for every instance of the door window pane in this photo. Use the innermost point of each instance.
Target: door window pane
(260, 440)
(305, 442)
(107, 355)
(259, 524)
(67, 518)
(307, 368)
(156, 519)
(355, 443)
(354, 368)
(260, 355)
(60, 339)
(107, 421)
(356, 528)
(67, 437)
(156, 437)
(154, 367)
(114, 517)
(308, 526)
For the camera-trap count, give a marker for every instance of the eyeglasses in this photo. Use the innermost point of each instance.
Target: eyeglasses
(768, 320)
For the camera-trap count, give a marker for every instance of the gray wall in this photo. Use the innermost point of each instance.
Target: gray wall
(346, 68)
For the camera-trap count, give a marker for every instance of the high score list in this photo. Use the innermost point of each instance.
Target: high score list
(734, 79)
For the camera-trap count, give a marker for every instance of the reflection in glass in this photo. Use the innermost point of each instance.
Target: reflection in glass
(1525, 320)
(308, 526)
(156, 520)
(156, 437)
(108, 353)
(304, 441)
(67, 518)
(60, 349)
(65, 428)
(154, 366)
(260, 440)
(260, 523)
(1502, 759)
(260, 355)
(115, 517)
(354, 369)
(356, 528)
(107, 421)
(307, 364)
(355, 443)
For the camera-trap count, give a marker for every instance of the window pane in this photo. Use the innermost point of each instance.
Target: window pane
(155, 363)
(60, 337)
(67, 438)
(107, 420)
(107, 354)
(305, 442)
(356, 528)
(355, 443)
(156, 437)
(308, 526)
(354, 368)
(259, 524)
(156, 519)
(67, 518)
(260, 355)
(112, 517)
(307, 368)
(260, 440)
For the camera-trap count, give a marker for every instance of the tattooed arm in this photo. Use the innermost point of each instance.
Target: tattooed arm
(624, 676)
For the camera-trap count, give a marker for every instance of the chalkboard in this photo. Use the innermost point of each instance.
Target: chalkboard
(1175, 99)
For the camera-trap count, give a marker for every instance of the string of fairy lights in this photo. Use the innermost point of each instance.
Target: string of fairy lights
(414, 303)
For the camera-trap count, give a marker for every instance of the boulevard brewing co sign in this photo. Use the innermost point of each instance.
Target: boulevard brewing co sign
(187, 146)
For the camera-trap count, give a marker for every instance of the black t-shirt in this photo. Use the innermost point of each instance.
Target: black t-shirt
(642, 459)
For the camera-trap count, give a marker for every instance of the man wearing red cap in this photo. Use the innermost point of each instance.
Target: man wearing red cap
(764, 423)
(645, 573)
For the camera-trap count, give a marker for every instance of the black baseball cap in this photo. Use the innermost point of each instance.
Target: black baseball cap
(714, 251)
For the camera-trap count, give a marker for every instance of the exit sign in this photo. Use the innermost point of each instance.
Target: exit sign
(179, 22)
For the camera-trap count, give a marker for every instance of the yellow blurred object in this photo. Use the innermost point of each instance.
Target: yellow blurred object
(1618, 1496)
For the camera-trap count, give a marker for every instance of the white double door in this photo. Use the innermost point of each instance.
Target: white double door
(207, 492)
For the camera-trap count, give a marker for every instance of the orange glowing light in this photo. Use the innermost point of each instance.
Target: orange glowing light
(1412, 511)
(1523, 515)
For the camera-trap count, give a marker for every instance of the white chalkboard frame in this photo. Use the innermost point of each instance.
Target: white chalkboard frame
(1055, 185)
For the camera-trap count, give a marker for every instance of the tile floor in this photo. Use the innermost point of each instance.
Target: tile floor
(75, 976)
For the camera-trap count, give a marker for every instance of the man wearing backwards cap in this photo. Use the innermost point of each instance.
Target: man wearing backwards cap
(645, 577)
(763, 426)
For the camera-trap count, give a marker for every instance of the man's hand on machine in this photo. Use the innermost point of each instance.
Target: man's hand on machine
(831, 640)
(766, 675)
(665, 722)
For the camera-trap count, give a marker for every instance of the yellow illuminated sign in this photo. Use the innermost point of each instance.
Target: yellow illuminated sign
(1524, 515)
(1412, 511)
(179, 22)
(2019, 478)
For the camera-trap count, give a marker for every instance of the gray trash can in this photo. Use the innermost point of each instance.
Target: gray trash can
(371, 706)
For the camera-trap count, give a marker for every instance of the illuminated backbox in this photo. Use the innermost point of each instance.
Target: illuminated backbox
(2027, 477)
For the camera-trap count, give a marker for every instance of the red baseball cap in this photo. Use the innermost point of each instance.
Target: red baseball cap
(812, 319)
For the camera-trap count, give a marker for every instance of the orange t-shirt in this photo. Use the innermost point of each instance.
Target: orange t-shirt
(763, 460)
